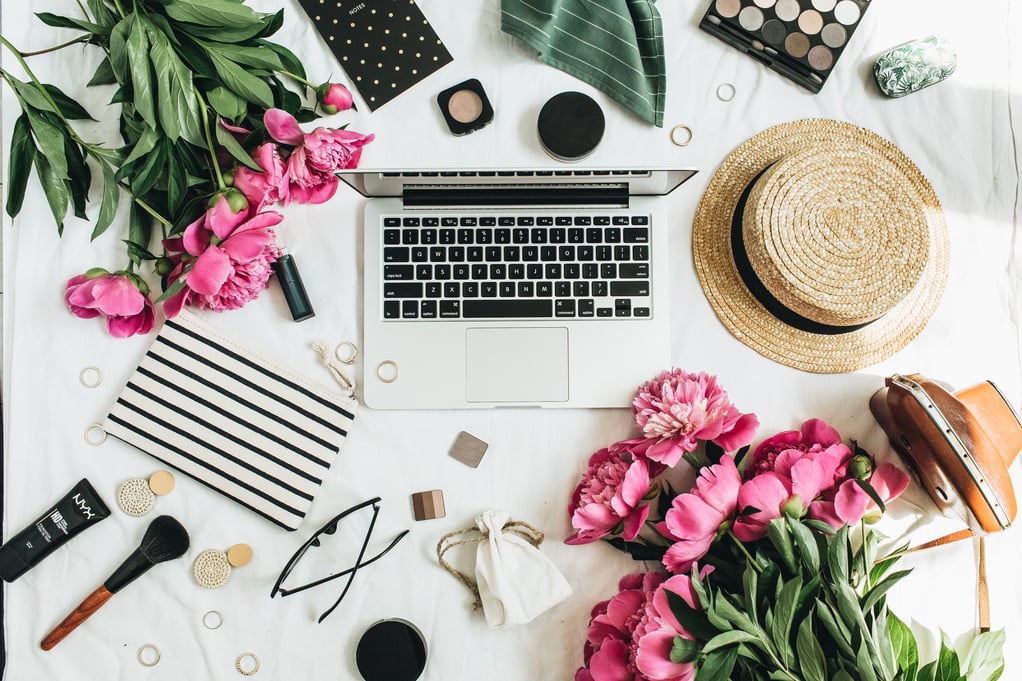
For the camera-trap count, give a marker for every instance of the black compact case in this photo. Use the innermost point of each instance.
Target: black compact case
(800, 39)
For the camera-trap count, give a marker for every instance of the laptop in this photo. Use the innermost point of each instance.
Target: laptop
(514, 288)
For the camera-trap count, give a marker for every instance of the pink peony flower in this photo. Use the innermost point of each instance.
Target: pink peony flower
(696, 517)
(268, 187)
(316, 155)
(610, 647)
(117, 297)
(227, 256)
(657, 630)
(677, 410)
(613, 496)
(334, 97)
(813, 464)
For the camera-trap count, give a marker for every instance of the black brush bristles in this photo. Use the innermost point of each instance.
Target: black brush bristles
(164, 539)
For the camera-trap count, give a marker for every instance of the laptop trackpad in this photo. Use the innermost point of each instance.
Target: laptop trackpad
(516, 365)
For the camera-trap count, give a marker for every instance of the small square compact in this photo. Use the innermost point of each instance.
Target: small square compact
(800, 39)
(465, 107)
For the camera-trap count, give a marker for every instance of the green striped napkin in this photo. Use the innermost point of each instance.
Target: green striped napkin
(614, 45)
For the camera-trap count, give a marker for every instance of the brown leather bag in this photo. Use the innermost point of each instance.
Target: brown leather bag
(959, 445)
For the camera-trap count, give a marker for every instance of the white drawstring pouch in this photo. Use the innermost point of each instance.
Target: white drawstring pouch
(514, 582)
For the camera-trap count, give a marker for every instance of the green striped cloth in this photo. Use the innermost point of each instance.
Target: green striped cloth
(614, 45)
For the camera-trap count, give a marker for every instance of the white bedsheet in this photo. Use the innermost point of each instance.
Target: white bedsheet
(962, 134)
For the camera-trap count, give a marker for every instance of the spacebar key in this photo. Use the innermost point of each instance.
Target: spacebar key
(477, 309)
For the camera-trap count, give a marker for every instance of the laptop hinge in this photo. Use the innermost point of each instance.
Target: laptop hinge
(575, 196)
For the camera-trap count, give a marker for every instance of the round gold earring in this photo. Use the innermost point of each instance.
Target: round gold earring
(135, 496)
(212, 568)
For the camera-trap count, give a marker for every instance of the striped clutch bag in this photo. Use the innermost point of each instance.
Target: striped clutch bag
(244, 426)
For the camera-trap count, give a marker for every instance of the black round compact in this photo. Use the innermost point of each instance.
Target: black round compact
(391, 650)
(570, 126)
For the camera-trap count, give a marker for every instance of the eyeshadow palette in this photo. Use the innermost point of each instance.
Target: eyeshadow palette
(800, 39)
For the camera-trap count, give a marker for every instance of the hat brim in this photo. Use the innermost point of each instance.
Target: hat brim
(747, 318)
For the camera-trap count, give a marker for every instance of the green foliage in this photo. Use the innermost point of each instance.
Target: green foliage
(810, 606)
(177, 67)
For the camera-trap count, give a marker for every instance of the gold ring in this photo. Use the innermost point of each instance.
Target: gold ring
(380, 374)
(141, 655)
(242, 670)
(217, 619)
(681, 135)
(89, 371)
(346, 358)
(726, 92)
(91, 441)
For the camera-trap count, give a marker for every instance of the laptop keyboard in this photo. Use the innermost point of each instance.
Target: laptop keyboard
(516, 266)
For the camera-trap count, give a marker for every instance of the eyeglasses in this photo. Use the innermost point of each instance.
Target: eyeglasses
(330, 528)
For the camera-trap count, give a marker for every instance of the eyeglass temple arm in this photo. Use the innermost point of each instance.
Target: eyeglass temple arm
(298, 589)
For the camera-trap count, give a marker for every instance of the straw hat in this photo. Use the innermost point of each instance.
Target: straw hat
(820, 245)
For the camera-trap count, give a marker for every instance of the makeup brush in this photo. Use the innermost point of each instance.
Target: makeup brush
(165, 538)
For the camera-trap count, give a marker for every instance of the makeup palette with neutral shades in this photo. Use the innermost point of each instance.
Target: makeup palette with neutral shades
(800, 39)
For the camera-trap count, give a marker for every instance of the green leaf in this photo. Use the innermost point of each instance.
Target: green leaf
(835, 627)
(214, 13)
(241, 82)
(58, 21)
(151, 169)
(177, 102)
(750, 584)
(141, 73)
(985, 659)
(71, 109)
(136, 252)
(227, 104)
(718, 665)
(806, 543)
(31, 95)
(176, 183)
(864, 663)
(119, 47)
(290, 62)
(784, 612)
(726, 609)
(683, 650)
(49, 137)
(103, 15)
(104, 74)
(843, 676)
(694, 621)
(947, 663)
(108, 205)
(142, 147)
(79, 177)
(140, 225)
(22, 155)
(55, 189)
(837, 556)
(809, 654)
(173, 289)
(903, 642)
(884, 564)
(780, 537)
(877, 592)
(255, 57)
(228, 141)
(872, 493)
(730, 638)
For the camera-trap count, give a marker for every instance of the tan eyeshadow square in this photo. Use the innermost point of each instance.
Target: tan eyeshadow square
(468, 449)
(428, 505)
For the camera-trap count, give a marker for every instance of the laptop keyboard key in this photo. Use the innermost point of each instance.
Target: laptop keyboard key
(396, 254)
(636, 270)
(504, 309)
(398, 272)
(564, 308)
(629, 288)
(586, 307)
(409, 309)
(450, 309)
(636, 235)
(420, 254)
(402, 290)
(391, 309)
(640, 311)
(427, 309)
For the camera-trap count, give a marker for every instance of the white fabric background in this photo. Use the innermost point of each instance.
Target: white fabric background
(961, 133)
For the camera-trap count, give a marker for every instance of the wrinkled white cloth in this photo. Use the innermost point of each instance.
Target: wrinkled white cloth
(517, 583)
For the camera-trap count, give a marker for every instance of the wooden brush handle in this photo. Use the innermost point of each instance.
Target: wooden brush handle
(79, 615)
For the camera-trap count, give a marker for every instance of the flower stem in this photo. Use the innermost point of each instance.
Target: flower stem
(218, 176)
(82, 39)
(748, 556)
(152, 211)
(298, 78)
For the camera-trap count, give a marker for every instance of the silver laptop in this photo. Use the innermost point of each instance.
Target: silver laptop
(523, 288)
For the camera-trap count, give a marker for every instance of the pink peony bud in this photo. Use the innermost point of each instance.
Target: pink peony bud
(334, 97)
(128, 311)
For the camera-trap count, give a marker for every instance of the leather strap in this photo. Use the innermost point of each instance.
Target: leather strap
(982, 587)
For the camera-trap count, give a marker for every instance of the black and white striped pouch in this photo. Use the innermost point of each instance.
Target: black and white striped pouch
(247, 427)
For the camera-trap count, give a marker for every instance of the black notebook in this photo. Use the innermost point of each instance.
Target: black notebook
(385, 46)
